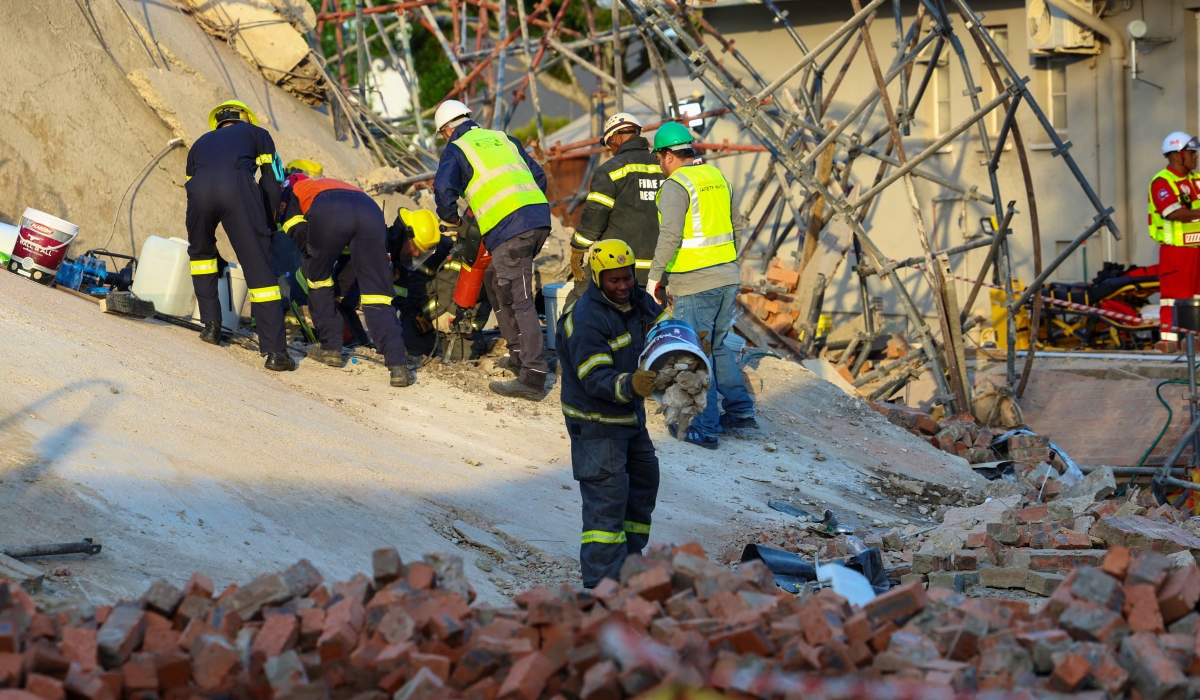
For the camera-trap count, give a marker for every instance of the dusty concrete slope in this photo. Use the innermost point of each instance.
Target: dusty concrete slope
(178, 457)
(93, 91)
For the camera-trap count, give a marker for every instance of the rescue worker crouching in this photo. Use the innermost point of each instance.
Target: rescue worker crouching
(324, 217)
(621, 202)
(1174, 219)
(221, 189)
(418, 250)
(599, 340)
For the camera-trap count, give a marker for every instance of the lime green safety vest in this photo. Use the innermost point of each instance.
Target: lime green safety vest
(502, 182)
(708, 226)
(1176, 233)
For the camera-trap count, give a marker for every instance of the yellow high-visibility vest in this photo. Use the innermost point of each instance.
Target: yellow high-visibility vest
(1176, 233)
(502, 182)
(708, 227)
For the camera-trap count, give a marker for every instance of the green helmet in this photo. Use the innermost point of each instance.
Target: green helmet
(672, 134)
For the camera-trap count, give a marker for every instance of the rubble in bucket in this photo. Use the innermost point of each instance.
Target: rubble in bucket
(683, 383)
(683, 371)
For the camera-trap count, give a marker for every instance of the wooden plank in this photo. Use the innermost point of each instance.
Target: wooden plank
(81, 295)
(831, 249)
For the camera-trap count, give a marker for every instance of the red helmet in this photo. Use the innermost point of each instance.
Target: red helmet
(293, 179)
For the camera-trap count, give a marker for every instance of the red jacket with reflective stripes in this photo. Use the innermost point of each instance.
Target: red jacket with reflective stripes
(306, 190)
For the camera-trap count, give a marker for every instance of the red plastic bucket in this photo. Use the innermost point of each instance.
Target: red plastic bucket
(42, 243)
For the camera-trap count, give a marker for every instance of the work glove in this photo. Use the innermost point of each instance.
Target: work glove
(444, 322)
(457, 227)
(577, 265)
(707, 346)
(652, 288)
(643, 382)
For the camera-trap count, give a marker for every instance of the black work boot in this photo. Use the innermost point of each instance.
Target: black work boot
(508, 364)
(534, 390)
(280, 362)
(333, 358)
(211, 333)
(401, 375)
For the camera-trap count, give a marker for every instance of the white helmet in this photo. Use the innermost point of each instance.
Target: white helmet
(448, 111)
(1180, 141)
(617, 122)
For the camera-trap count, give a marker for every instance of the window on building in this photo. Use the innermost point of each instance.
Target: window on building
(941, 108)
(996, 118)
(937, 99)
(1053, 74)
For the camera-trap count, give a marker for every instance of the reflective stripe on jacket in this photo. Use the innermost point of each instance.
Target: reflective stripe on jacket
(1166, 231)
(598, 348)
(501, 183)
(622, 203)
(708, 238)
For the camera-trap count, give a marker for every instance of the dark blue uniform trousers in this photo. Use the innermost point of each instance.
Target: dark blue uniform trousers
(617, 471)
(337, 219)
(234, 200)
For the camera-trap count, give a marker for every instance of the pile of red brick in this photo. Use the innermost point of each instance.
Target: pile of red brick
(774, 309)
(958, 435)
(677, 621)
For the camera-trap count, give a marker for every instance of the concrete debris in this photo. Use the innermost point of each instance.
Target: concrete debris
(1098, 485)
(15, 571)
(484, 540)
(270, 38)
(684, 386)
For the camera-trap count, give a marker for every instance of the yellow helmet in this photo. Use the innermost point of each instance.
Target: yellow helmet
(227, 106)
(424, 224)
(310, 168)
(610, 254)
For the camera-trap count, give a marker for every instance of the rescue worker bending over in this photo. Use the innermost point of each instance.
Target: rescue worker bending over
(621, 204)
(599, 340)
(506, 190)
(427, 265)
(418, 252)
(305, 167)
(221, 189)
(345, 285)
(1175, 224)
(323, 217)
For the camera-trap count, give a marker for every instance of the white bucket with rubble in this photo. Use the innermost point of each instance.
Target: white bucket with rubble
(669, 339)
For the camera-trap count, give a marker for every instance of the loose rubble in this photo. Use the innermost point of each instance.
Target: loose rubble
(957, 435)
(1121, 621)
(684, 385)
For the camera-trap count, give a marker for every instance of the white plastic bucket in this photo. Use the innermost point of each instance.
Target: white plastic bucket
(8, 241)
(41, 245)
(556, 294)
(231, 311)
(164, 276)
(669, 338)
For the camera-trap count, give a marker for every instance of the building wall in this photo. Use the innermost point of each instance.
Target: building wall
(1163, 100)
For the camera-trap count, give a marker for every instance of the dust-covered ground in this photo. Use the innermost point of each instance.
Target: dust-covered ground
(178, 456)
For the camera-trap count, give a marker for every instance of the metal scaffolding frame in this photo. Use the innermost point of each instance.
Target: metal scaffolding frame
(787, 117)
